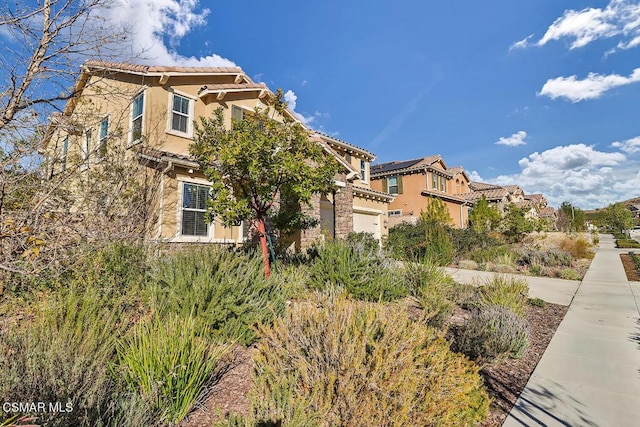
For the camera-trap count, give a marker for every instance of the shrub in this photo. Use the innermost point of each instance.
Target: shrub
(362, 273)
(536, 269)
(543, 258)
(466, 240)
(63, 356)
(489, 254)
(467, 264)
(492, 334)
(404, 239)
(578, 248)
(627, 243)
(226, 292)
(367, 240)
(168, 361)
(507, 292)
(431, 289)
(336, 362)
(569, 274)
(537, 302)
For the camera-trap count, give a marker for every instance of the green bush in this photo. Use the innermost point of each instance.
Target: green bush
(492, 334)
(332, 361)
(627, 243)
(569, 274)
(404, 239)
(364, 274)
(466, 240)
(168, 361)
(543, 258)
(635, 259)
(431, 290)
(507, 292)
(425, 240)
(489, 254)
(226, 292)
(367, 240)
(537, 302)
(64, 355)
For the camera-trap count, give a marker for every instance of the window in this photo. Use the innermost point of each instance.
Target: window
(194, 209)
(86, 148)
(237, 113)
(434, 181)
(397, 212)
(137, 109)
(102, 137)
(443, 184)
(347, 157)
(180, 113)
(363, 170)
(392, 185)
(63, 155)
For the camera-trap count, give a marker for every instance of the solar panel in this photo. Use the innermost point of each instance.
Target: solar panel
(386, 167)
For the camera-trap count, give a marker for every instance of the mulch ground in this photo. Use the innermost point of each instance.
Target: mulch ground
(504, 382)
(633, 275)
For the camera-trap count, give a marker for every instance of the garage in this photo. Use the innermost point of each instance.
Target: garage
(367, 222)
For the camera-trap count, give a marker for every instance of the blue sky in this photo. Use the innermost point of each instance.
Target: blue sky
(540, 93)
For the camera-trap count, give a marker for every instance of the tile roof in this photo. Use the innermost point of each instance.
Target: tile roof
(161, 155)
(449, 197)
(547, 212)
(490, 194)
(512, 188)
(216, 87)
(339, 142)
(477, 186)
(370, 192)
(154, 69)
(534, 197)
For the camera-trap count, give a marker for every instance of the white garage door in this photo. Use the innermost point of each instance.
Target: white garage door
(368, 223)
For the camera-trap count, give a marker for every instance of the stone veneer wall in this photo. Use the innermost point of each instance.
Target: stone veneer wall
(343, 206)
(311, 235)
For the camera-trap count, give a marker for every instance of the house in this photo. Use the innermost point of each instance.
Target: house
(415, 182)
(150, 111)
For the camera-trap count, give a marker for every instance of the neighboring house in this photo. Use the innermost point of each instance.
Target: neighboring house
(635, 210)
(150, 110)
(415, 182)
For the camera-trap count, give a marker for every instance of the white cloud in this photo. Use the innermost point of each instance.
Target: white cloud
(578, 173)
(592, 87)
(291, 99)
(629, 146)
(521, 44)
(513, 140)
(620, 18)
(150, 22)
(475, 176)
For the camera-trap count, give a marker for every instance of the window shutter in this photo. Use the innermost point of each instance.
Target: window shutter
(385, 187)
(399, 184)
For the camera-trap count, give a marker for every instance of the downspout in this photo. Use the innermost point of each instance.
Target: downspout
(161, 204)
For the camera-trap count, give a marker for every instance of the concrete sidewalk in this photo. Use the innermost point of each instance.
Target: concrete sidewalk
(557, 291)
(590, 373)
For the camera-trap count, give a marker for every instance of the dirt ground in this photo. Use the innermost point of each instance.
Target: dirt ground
(504, 381)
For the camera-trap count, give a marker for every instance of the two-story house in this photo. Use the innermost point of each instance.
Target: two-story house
(151, 110)
(414, 182)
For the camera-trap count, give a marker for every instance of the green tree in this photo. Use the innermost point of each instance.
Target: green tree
(619, 217)
(484, 217)
(515, 225)
(260, 168)
(571, 218)
(436, 213)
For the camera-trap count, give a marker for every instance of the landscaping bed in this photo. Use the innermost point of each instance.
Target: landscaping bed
(630, 268)
(504, 381)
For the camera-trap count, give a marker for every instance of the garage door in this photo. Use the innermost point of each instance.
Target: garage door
(368, 223)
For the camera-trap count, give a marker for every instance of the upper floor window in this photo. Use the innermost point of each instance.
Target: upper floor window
(394, 184)
(438, 182)
(137, 110)
(102, 137)
(181, 114)
(194, 209)
(86, 148)
(65, 152)
(237, 113)
(363, 170)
